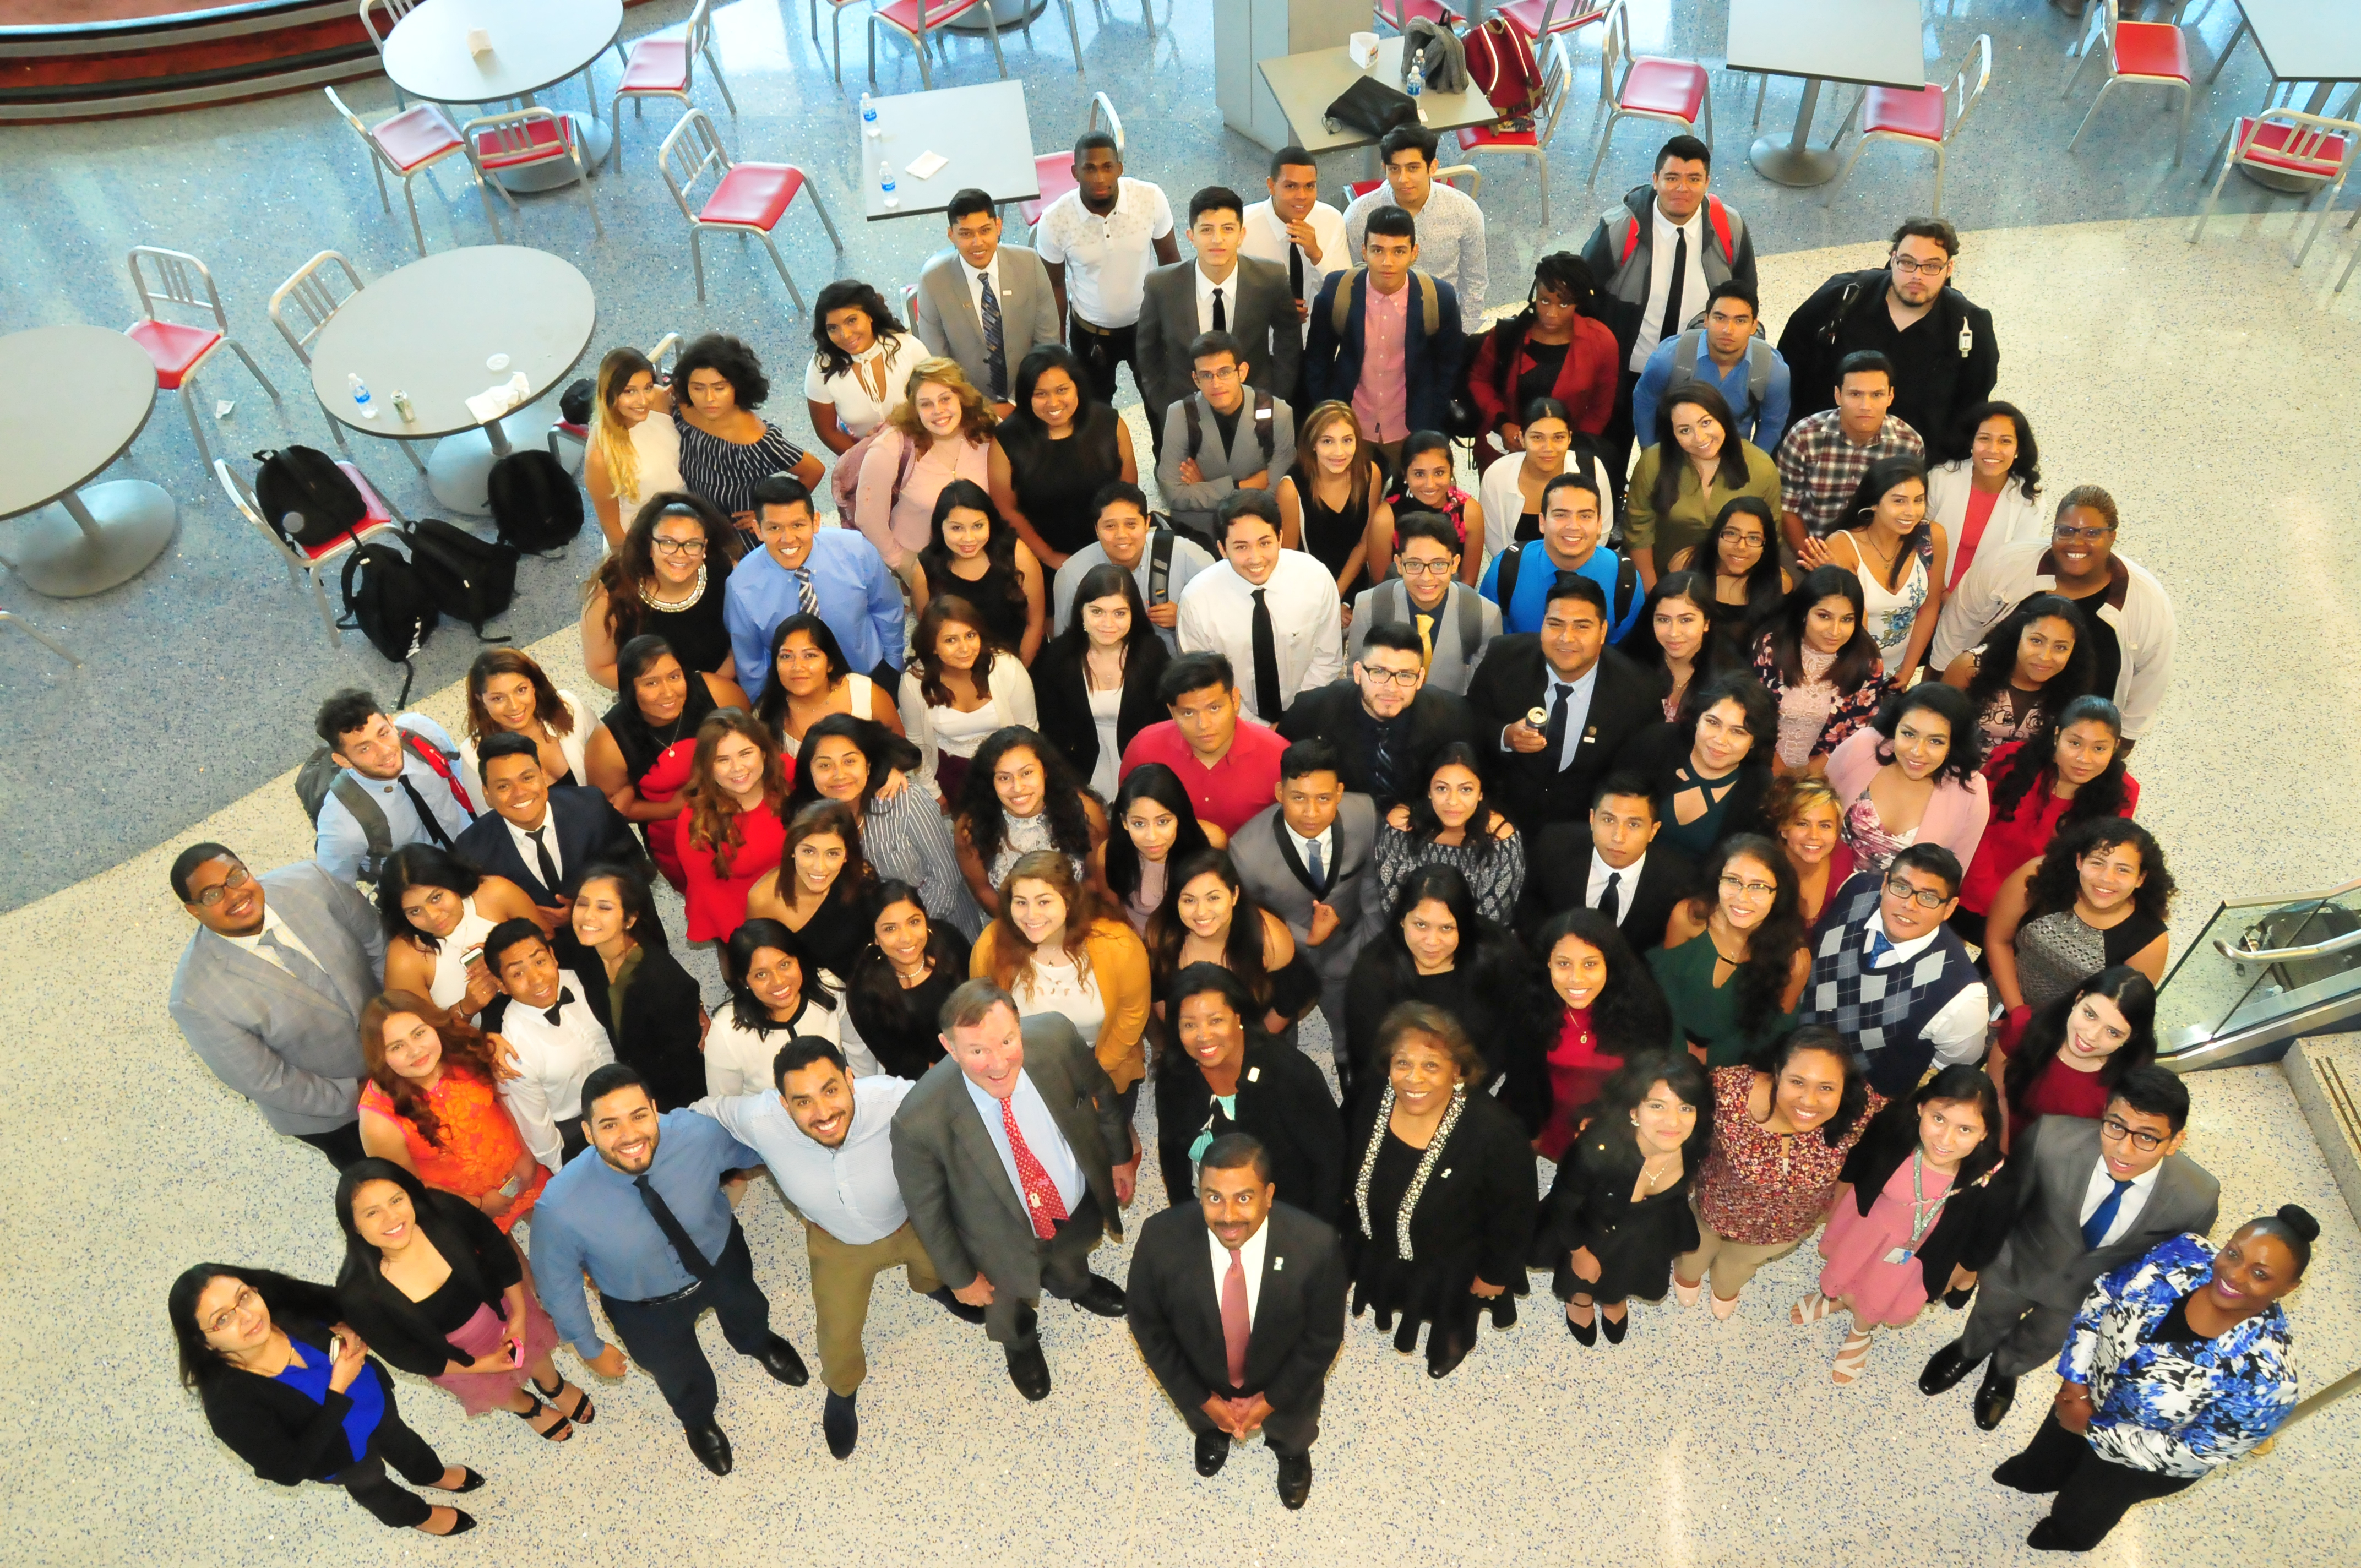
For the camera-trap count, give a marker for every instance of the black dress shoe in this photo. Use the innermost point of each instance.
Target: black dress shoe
(1615, 1328)
(839, 1420)
(1586, 1334)
(469, 1480)
(1029, 1370)
(1955, 1300)
(780, 1360)
(1945, 1368)
(2008, 1473)
(1994, 1395)
(465, 1523)
(954, 1306)
(2045, 1537)
(1212, 1449)
(712, 1447)
(1294, 1479)
(1103, 1296)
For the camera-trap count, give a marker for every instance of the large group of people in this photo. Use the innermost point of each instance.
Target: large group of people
(1740, 823)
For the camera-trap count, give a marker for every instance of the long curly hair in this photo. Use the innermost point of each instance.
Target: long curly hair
(1852, 1100)
(712, 815)
(2059, 883)
(999, 544)
(620, 575)
(1626, 1090)
(1672, 460)
(927, 660)
(610, 438)
(1425, 822)
(1950, 705)
(1771, 951)
(1856, 663)
(1960, 444)
(1883, 476)
(977, 422)
(1012, 951)
(771, 708)
(1241, 946)
(849, 292)
(419, 865)
(547, 708)
(851, 890)
(1997, 665)
(1364, 473)
(2034, 762)
(985, 820)
(1630, 1013)
(883, 750)
(464, 1050)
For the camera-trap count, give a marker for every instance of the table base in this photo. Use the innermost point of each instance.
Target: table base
(2271, 178)
(90, 541)
(459, 469)
(1775, 158)
(595, 141)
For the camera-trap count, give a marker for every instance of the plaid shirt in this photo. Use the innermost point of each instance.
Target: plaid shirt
(1819, 469)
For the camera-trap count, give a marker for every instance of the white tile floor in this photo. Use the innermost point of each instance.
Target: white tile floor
(2192, 383)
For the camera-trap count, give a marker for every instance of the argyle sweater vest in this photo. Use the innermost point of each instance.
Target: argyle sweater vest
(1881, 1013)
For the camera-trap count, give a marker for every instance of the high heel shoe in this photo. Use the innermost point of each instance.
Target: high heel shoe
(558, 1430)
(1615, 1328)
(461, 1524)
(469, 1481)
(582, 1415)
(1586, 1334)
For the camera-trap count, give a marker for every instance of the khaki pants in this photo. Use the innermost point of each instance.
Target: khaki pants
(1731, 1263)
(841, 1277)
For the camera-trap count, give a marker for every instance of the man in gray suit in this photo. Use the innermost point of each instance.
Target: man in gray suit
(985, 303)
(2094, 1196)
(1225, 436)
(270, 991)
(1311, 860)
(1219, 291)
(1006, 1155)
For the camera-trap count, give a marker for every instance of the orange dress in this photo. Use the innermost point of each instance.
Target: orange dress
(479, 1144)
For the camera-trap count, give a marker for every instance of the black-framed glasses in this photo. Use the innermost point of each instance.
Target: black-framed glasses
(239, 877)
(663, 546)
(2115, 1128)
(1910, 268)
(1422, 568)
(1925, 897)
(2069, 531)
(1391, 677)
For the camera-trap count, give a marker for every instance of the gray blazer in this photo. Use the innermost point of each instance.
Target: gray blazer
(967, 1215)
(266, 1034)
(1193, 505)
(1454, 658)
(1273, 872)
(2044, 1259)
(1264, 320)
(949, 325)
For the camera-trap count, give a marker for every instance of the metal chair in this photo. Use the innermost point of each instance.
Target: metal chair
(179, 349)
(2287, 141)
(1054, 171)
(746, 198)
(667, 68)
(1557, 87)
(2142, 54)
(1357, 189)
(27, 627)
(1676, 91)
(313, 561)
(312, 295)
(409, 144)
(395, 10)
(915, 22)
(1923, 118)
(521, 139)
(1539, 19)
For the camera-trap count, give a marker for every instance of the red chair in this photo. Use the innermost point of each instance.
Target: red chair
(1557, 86)
(915, 21)
(2142, 54)
(1922, 118)
(1676, 91)
(1539, 19)
(1405, 11)
(409, 144)
(177, 349)
(1357, 189)
(667, 68)
(522, 138)
(1054, 171)
(314, 561)
(2287, 141)
(746, 198)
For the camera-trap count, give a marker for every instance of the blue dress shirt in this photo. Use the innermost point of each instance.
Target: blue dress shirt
(1537, 574)
(851, 1190)
(591, 1216)
(343, 844)
(1041, 1135)
(858, 598)
(1764, 426)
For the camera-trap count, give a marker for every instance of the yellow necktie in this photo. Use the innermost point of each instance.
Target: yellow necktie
(1426, 639)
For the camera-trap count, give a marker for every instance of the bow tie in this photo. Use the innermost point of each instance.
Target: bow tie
(564, 999)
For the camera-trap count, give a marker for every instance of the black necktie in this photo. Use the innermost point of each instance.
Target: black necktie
(564, 1000)
(1556, 733)
(1295, 270)
(425, 818)
(548, 866)
(1266, 662)
(1672, 324)
(696, 1262)
(1611, 901)
(1221, 318)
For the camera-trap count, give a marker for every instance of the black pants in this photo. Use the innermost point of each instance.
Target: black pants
(1616, 441)
(662, 1336)
(2093, 1494)
(1101, 349)
(342, 1145)
(393, 1443)
(1065, 1271)
(1289, 1433)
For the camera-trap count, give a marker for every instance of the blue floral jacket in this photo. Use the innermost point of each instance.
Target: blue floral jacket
(2172, 1409)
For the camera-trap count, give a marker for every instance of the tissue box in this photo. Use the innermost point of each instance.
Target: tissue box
(1362, 47)
(478, 41)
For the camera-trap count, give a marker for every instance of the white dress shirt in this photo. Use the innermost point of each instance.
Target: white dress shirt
(1694, 287)
(1956, 1031)
(977, 281)
(530, 852)
(1229, 292)
(1578, 711)
(849, 1191)
(278, 931)
(1600, 871)
(1327, 842)
(738, 1059)
(1308, 633)
(1265, 240)
(1107, 258)
(552, 1059)
(1041, 1135)
(1250, 1258)
(2127, 1212)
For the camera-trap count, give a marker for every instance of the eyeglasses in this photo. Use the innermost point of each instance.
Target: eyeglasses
(1925, 897)
(1422, 568)
(1910, 269)
(2067, 531)
(1752, 889)
(2114, 1128)
(1391, 677)
(239, 877)
(677, 546)
(1220, 373)
(247, 1301)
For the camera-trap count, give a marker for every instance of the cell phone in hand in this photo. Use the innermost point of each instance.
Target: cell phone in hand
(516, 1353)
(336, 1347)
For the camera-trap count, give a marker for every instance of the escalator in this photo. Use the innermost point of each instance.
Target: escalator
(2262, 974)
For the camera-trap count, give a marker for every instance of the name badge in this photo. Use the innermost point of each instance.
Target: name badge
(1447, 1174)
(1899, 1255)
(1254, 1075)
(1277, 1264)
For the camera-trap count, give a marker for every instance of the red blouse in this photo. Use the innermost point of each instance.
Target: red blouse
(1765, 1189)
(1577, 1069)
(2062, 1092)
(717, 904)
(2010, 841)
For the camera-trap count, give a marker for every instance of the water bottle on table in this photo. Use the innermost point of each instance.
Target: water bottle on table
(868, 115)
(885, 182)
(360, 396)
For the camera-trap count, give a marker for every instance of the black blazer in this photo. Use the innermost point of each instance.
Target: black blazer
(1560, 862)
(588, 830)
(1509, 682)
(1476, 1217)
(1973, 1222)
(1494, 1008)
(1061, 697)
(272, 1425)
(1283, 1099)
(1333, 713)
(1174, 1305)
(1654, 757)
(483, 1263)
(662, 1030)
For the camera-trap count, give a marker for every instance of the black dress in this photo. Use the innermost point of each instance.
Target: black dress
(1055, 480)
(1590, 1205)
(1003, 616)
(1515, 1053)
(697, 633)
(897, 1026)
(1330, 537)
(1282, 1099)
(836, 935)
(1473, 1218)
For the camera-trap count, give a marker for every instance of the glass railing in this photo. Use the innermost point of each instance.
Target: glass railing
(2262, 971)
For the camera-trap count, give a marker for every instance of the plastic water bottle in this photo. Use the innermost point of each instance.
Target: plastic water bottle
(885, 182)
(360, 396)
(1417, 82)
(868, 115)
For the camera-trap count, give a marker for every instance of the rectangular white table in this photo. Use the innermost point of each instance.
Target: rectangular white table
(1873, 42)
(2317, 42)
(1305, 85)
(982, 130)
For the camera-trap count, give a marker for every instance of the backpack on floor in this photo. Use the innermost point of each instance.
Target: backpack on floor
(470, 579)
(305, 497)
(535, 505)
(388, 601)
(1500, 63)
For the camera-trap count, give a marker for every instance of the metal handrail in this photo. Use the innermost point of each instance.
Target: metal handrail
(2354, 886)
(2281, 955)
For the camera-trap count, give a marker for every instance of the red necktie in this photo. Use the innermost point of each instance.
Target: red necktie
(1235, 1327)
(1041, 1200)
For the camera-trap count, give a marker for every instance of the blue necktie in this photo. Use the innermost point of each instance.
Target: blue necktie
(995, 355)
(806, 596)
(1878, 947)
(1319, 873)
(2095, 1228)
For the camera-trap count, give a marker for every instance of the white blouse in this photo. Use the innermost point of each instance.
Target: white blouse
(573, 743)
(1057, 988)
(863, 395)
(655, 444)
(936, 731)
(738, 1059)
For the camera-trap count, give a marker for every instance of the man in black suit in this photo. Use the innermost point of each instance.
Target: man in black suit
(1613, 863)
(541, 839)
(1557, 707)
(1221, 290)
(1238, 1306)
(1383, 722)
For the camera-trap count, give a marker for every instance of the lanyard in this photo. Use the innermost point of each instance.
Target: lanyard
(1922, 1214)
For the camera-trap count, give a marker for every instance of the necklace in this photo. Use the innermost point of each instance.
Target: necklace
(650, 599)
(1648, 1168)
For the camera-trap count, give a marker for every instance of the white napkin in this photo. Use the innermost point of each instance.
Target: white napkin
(493, 402)
(925, 166)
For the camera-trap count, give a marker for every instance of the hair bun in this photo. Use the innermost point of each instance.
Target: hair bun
(2298, 1218)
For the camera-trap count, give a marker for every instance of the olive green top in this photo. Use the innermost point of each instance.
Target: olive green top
(1692, 514)
(1706, 1014)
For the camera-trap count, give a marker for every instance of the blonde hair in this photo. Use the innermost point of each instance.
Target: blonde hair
(610, 439)
(977, 420)
(1789, 797)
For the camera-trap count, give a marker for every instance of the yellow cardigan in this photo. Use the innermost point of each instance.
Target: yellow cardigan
(1118, 960)
(1690, 521)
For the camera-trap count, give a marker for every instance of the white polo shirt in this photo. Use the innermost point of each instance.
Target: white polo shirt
(1106, 258)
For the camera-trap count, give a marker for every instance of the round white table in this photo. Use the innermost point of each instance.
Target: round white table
(52, 441)
(535, 45)
(429, 330)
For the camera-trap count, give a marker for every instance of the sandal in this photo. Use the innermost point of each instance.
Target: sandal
(1811, 1309)
(1852, 1357)
(558, 1430)
(581, 1415)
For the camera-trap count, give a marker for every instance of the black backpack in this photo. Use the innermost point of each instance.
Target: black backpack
(470, 579)
(390, 605)
(303, 485)
(534, 503)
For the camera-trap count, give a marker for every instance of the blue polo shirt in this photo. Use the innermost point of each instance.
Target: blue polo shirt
(1762, 425)
(1537, 574)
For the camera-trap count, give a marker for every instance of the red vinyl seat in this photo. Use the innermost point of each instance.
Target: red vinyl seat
(176, 349)
(657, 65)
(752, 196)
(1893, 112)
(416, 136)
